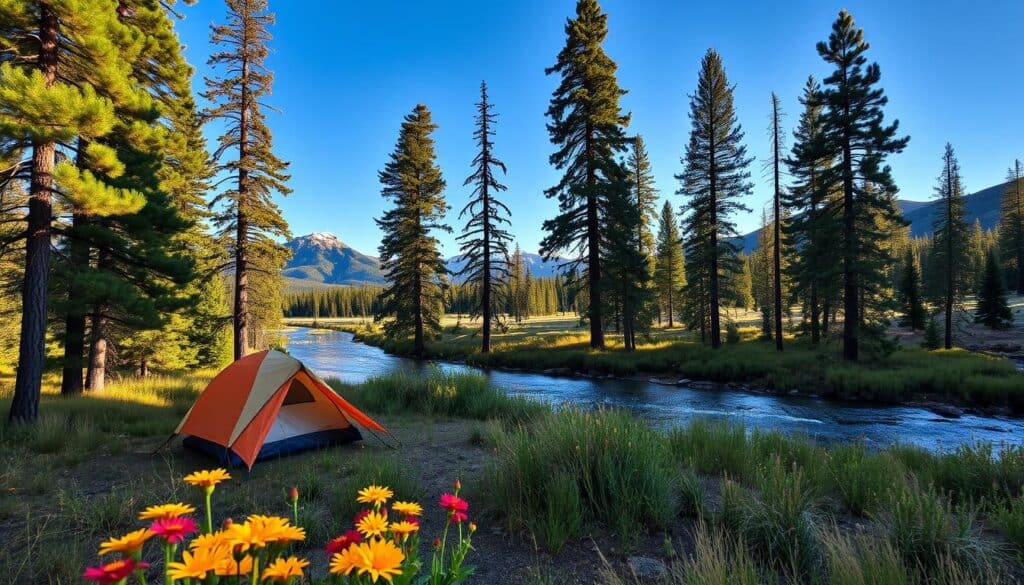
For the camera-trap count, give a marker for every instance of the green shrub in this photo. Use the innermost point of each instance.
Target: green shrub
(860, 559)
(926, 528)
(781, 524)
(603, 466)
(711, 447)
(865, 481)
(1009, 517)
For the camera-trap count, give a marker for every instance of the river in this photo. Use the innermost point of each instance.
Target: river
(336, 355)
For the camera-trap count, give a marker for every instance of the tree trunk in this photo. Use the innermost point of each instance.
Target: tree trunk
(485, 299)
(241, 309)
(74, 324)
(96, 376)
(593, 250)
(716, 329)
(143, 368)
(851, 313)
(777, 236)
(32, 343)
(949, 258)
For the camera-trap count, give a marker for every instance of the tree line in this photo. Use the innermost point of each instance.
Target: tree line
(123, 236)
(831, 244)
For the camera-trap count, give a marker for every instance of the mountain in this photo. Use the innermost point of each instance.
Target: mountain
(321, 258)
(534, 262)
(983, 205)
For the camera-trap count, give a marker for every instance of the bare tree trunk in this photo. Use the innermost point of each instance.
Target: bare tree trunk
(593, 250)
(777, 232)
(32, 343)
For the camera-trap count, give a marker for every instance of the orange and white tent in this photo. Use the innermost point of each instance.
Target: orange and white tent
(266, 405)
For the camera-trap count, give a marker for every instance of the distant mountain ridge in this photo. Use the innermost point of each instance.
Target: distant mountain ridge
(982, 205)
(322, 259)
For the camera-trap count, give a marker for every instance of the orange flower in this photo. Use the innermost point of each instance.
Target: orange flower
(373, 524)
(227, 565)
(283, 570)
(166, 511)
(404, 528)
(344, 562)
(207, 478)
(194, 565)
(380, 559)
(407, 508)
(211, 540)
(129, 544)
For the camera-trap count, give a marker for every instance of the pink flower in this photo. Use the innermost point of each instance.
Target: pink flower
(174, 530)
(453, 503)
(113, 572)
(457, 517)
(343, 542)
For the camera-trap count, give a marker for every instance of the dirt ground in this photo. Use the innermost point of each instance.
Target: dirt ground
(437, 451)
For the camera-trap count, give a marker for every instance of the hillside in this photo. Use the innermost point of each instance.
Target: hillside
(322, 259)
(983, 205)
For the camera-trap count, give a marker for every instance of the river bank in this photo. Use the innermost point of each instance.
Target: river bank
(950, 383)
(562, 496)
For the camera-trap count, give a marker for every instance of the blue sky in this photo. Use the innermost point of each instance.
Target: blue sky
(347, 72)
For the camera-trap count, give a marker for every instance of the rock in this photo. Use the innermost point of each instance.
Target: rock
(558, 372)
(946, 410)
(647, 569)
(682, 381)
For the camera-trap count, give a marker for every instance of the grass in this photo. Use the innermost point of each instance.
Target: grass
(439, 393)
(909, 373)
(572, 468)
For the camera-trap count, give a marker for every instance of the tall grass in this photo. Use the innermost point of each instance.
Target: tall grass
(572, 467)
(439, 393)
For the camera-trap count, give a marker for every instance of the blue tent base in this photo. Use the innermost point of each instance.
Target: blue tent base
(290, 446)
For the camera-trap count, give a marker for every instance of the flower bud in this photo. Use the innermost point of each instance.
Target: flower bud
(472, 527)
(293, 495)
(227, 523)
(458, 485)
(437, 544)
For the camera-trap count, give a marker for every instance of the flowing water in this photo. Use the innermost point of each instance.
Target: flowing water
(336, 355)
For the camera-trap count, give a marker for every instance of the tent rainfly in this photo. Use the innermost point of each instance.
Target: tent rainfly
(267, 405)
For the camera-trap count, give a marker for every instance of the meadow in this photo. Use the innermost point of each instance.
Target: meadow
(561, 496)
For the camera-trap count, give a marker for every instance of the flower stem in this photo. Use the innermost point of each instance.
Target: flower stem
(209, 512)
(168, 557)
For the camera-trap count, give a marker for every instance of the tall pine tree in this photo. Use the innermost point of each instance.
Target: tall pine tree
(587, 126)
(813, 229)
(857, 141)
(992, 310)
(715, 177)
(1011, 225)
(775, 131)
(949, 248)
(409, 251)
(669, 270)
(56, 55)
(910, 292)
(247, 216)
(484, 241)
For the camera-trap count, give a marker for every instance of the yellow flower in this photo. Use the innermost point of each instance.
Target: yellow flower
(290, 533)
(373, 524)
(128, 544)
(246, 536)
(407, 508)
(381, 559)
(404, 528)
(228, 566)
(284, 569)
(212, 540)
(375, 494)
(342, 563)
(194, 565)
(207, 478)
(166, 511)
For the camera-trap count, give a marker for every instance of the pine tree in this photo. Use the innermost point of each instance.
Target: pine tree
(812, 231)
(910, 292)
(670, 270)
(1011, 225)
(977, 252)
(638, 168)
(409, 254)
(931, 335)
(992, 310)
(950, 240)
(55, 58)
(762, 280)
(857, 141)
(248, 213)
(776, 135)
(715, 176)
(587, 126)
(484, 241)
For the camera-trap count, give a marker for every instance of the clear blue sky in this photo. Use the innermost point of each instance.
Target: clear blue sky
(347, 71)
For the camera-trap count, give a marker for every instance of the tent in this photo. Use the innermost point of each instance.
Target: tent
(267, 405)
